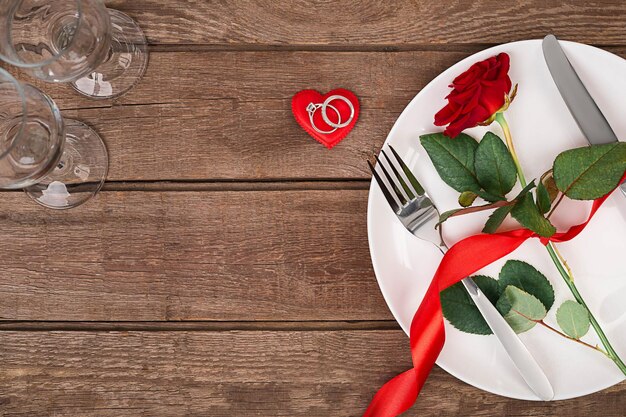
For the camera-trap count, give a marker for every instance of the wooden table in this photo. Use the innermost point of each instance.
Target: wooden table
(224, 270)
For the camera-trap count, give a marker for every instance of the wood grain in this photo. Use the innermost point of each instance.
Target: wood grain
(227, 115)
(225, 271)
(367, 23)
(273, 374)
(136, 256)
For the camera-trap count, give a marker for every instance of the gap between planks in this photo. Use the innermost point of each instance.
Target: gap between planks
(199, 326)
(449, 47)
(390, 48)
(234, 185)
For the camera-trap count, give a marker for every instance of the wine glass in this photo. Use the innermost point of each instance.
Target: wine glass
(60, 164)
(101, 52)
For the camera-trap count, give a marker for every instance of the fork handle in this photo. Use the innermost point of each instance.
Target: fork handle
(517, 351)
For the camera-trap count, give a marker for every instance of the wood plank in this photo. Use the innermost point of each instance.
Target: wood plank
(207, 326)
(137, 256)
(227, 115)
(348, 23)
(273, 374)
(227, 185)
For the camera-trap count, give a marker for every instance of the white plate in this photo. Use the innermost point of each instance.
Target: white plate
(542, 127)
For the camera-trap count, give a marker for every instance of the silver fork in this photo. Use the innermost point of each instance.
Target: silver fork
(419, 216)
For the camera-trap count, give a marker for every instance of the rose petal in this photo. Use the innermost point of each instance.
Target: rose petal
(505, 65)
(458, 126)
(447, 114)
(492, 98)
(467, 77)
(465, 96)
(476, 95)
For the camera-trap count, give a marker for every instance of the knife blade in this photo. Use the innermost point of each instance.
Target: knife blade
(579, 101)
(524, 361)
(581, 105)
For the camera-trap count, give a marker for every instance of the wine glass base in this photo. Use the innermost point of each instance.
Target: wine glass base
(125, 64)
(80, 172)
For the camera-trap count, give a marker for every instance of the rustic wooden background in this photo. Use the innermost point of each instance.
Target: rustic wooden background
(224, 270)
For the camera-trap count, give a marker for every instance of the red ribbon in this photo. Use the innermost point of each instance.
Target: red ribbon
(427, 329)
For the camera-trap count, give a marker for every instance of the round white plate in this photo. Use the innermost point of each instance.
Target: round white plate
(542, 127)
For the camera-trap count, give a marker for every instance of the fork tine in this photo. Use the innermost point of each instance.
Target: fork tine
(392, 182)
(416, 185)
(406, 188)
(392, 202)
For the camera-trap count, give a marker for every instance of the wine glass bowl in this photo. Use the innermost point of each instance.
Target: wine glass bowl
(31, 133)
(102, 52)
(55, 40)
(123, 65)
(12, 112)
(59, 163)
(79, 173)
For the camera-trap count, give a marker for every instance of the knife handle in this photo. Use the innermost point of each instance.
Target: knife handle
(517, 351)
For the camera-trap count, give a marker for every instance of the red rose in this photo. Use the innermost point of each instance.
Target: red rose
(477, 94)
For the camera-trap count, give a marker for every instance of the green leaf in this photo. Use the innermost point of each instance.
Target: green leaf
(467, 210)
(573, 319)
(446, 215)
(495, 169)
(527, 278)
(523, 309)
(496, 219)
(487, 196)
(543, 199)
(498, 216)
(590, 172)
(528, 215)
(547, 179)
(453, 159)
(525, 190)
(467, 198)
(459, 309)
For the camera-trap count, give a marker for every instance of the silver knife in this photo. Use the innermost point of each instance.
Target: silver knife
(581, 105)
(530, 370)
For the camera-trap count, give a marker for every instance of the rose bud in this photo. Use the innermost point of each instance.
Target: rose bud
(477, 95)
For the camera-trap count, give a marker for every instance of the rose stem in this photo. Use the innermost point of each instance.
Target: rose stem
(564, 263)
(546, 325)
(570, 283)
(509, 143)
(555, 258)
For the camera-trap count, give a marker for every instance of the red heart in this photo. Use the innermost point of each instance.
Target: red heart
(301, 100)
